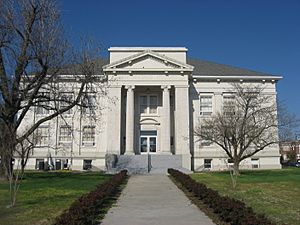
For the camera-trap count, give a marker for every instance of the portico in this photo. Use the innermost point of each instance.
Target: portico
(153, 97)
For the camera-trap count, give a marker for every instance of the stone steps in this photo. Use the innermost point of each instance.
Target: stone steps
(144, 164)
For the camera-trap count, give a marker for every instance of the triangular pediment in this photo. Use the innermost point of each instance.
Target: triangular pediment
(147, 60)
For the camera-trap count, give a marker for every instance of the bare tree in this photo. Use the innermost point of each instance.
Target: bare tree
(288, 122)
(246, 125)
(33, 52)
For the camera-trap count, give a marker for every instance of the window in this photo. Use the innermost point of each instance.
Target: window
(42, 103)
(88, 135)
(207, 132)
(89, 103)
(65, 100)
(42, 136)
(65, 134)
(58, 164)
(148, 104)
(207, 163)
(87, 164)
(255, 163)
(229, 105)
(206, 105)
(40, 165)
(143, 104)
(153, 105)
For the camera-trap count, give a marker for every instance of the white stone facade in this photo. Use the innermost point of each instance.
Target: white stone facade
(152, 107)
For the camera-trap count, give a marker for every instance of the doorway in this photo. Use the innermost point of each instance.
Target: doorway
(148, 142)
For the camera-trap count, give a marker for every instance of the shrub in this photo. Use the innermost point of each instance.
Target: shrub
(229, 210)
(86, 208)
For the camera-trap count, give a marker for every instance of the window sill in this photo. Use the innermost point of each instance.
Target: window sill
(41, 146)
(65, 143)
(88, 144)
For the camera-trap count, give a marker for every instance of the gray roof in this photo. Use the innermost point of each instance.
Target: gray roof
(201, 67)
(210, 68)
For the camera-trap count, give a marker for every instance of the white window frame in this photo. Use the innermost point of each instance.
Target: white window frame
(63, 104)
(205, 142)
(206, 95)
(224, 96)
(255, 163)
(92, 136)
(148, 96)
(40, 110)
(69, 137)
(43, 140)
(92, 104)
(207, 165)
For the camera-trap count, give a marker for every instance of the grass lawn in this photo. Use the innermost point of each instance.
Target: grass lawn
(273, 192)
(44, 195)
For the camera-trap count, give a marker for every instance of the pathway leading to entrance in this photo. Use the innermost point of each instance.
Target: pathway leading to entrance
(154, 200)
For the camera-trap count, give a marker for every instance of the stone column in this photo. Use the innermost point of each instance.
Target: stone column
(113, 127)
(129, 147)
(165, 121)
(182, 124)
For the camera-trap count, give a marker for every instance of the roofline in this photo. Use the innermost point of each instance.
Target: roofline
(135, 49)
(236, 77)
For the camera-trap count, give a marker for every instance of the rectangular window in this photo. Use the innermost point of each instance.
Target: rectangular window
(42, 103)
(65, 134)
(143, 104)
(207, 163)
(65, 100)
(206, 132)
(89, 104)
(148, 104)
(42, 136)
(88, 135)
(255, 163)
(87, 164)
(206, 105)
(40, 165)
(153, 104)
(229, 105)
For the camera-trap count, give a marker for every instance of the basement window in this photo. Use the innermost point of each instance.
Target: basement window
(87, 164)
(255, 163)
(207, 163)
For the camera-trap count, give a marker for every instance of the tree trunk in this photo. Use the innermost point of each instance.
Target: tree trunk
(236, 168)
(4, 166)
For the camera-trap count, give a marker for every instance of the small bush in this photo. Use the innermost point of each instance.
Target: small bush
(86, 209)
(229, 210)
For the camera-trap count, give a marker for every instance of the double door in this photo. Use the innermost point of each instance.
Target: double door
(148, 144)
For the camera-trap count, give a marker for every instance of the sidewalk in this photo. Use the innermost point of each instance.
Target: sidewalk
(154, 200)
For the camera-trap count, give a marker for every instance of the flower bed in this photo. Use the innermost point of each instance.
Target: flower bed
(86, 209)
(228, 209)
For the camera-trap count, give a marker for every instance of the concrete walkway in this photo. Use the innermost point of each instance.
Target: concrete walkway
(154, 200)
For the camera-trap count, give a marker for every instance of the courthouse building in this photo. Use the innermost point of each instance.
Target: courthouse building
(155, 98)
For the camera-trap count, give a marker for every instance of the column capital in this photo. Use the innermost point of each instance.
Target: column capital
(165, 87)
(129, 87)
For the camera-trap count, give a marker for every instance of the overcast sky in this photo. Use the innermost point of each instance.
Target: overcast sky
(262, 35)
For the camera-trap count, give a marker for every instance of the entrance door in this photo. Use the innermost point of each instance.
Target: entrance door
(148, 142)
